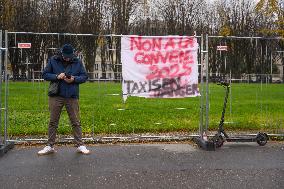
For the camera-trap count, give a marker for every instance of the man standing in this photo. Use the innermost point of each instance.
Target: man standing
(69, 72)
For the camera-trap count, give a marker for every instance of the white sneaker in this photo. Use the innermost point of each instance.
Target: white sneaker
(83, 150)
(46, 150)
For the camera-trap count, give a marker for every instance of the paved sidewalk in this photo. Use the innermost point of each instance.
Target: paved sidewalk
(243, 165)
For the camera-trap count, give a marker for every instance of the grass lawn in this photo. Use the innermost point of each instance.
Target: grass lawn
(252, 107)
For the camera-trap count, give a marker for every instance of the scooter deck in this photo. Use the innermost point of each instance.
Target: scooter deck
(241, 139)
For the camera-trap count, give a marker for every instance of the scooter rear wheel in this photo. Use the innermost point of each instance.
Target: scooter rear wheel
(261, 139)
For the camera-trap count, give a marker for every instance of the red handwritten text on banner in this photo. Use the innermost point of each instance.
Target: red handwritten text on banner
(151, 60)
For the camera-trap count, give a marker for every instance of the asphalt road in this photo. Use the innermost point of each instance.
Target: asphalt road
(243, 165)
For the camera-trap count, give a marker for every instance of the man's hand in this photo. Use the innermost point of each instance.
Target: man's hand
(71, 80)
(61, 76)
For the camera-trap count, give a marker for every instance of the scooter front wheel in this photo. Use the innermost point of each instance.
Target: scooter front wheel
(261, 139)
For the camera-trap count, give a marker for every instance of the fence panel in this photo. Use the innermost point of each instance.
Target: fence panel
(254, 67)
(101, 105)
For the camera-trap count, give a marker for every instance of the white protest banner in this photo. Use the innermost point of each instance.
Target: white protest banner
(159, 66)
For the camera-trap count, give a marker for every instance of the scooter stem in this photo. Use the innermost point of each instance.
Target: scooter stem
(221, 124)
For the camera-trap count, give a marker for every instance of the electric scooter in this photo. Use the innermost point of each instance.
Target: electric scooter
(221, 136)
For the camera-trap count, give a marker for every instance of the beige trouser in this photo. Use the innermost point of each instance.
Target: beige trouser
(72, 107)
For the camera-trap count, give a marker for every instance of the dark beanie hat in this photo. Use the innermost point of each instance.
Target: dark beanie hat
(67, 51)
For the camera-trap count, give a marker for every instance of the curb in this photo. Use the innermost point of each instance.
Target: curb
(131, 139)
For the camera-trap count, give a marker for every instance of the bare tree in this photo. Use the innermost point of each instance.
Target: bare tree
(143, 17)
(118, 22)
(273, 11)
(91, 21)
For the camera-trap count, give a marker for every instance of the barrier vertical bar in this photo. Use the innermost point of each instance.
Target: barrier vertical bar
(6, 88)
(207, 85)
(1, 142)
(202, 140)
(201, 83)
(6, 145)
(230, 82)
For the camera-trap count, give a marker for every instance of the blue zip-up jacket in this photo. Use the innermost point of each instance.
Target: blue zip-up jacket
(75, 68)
